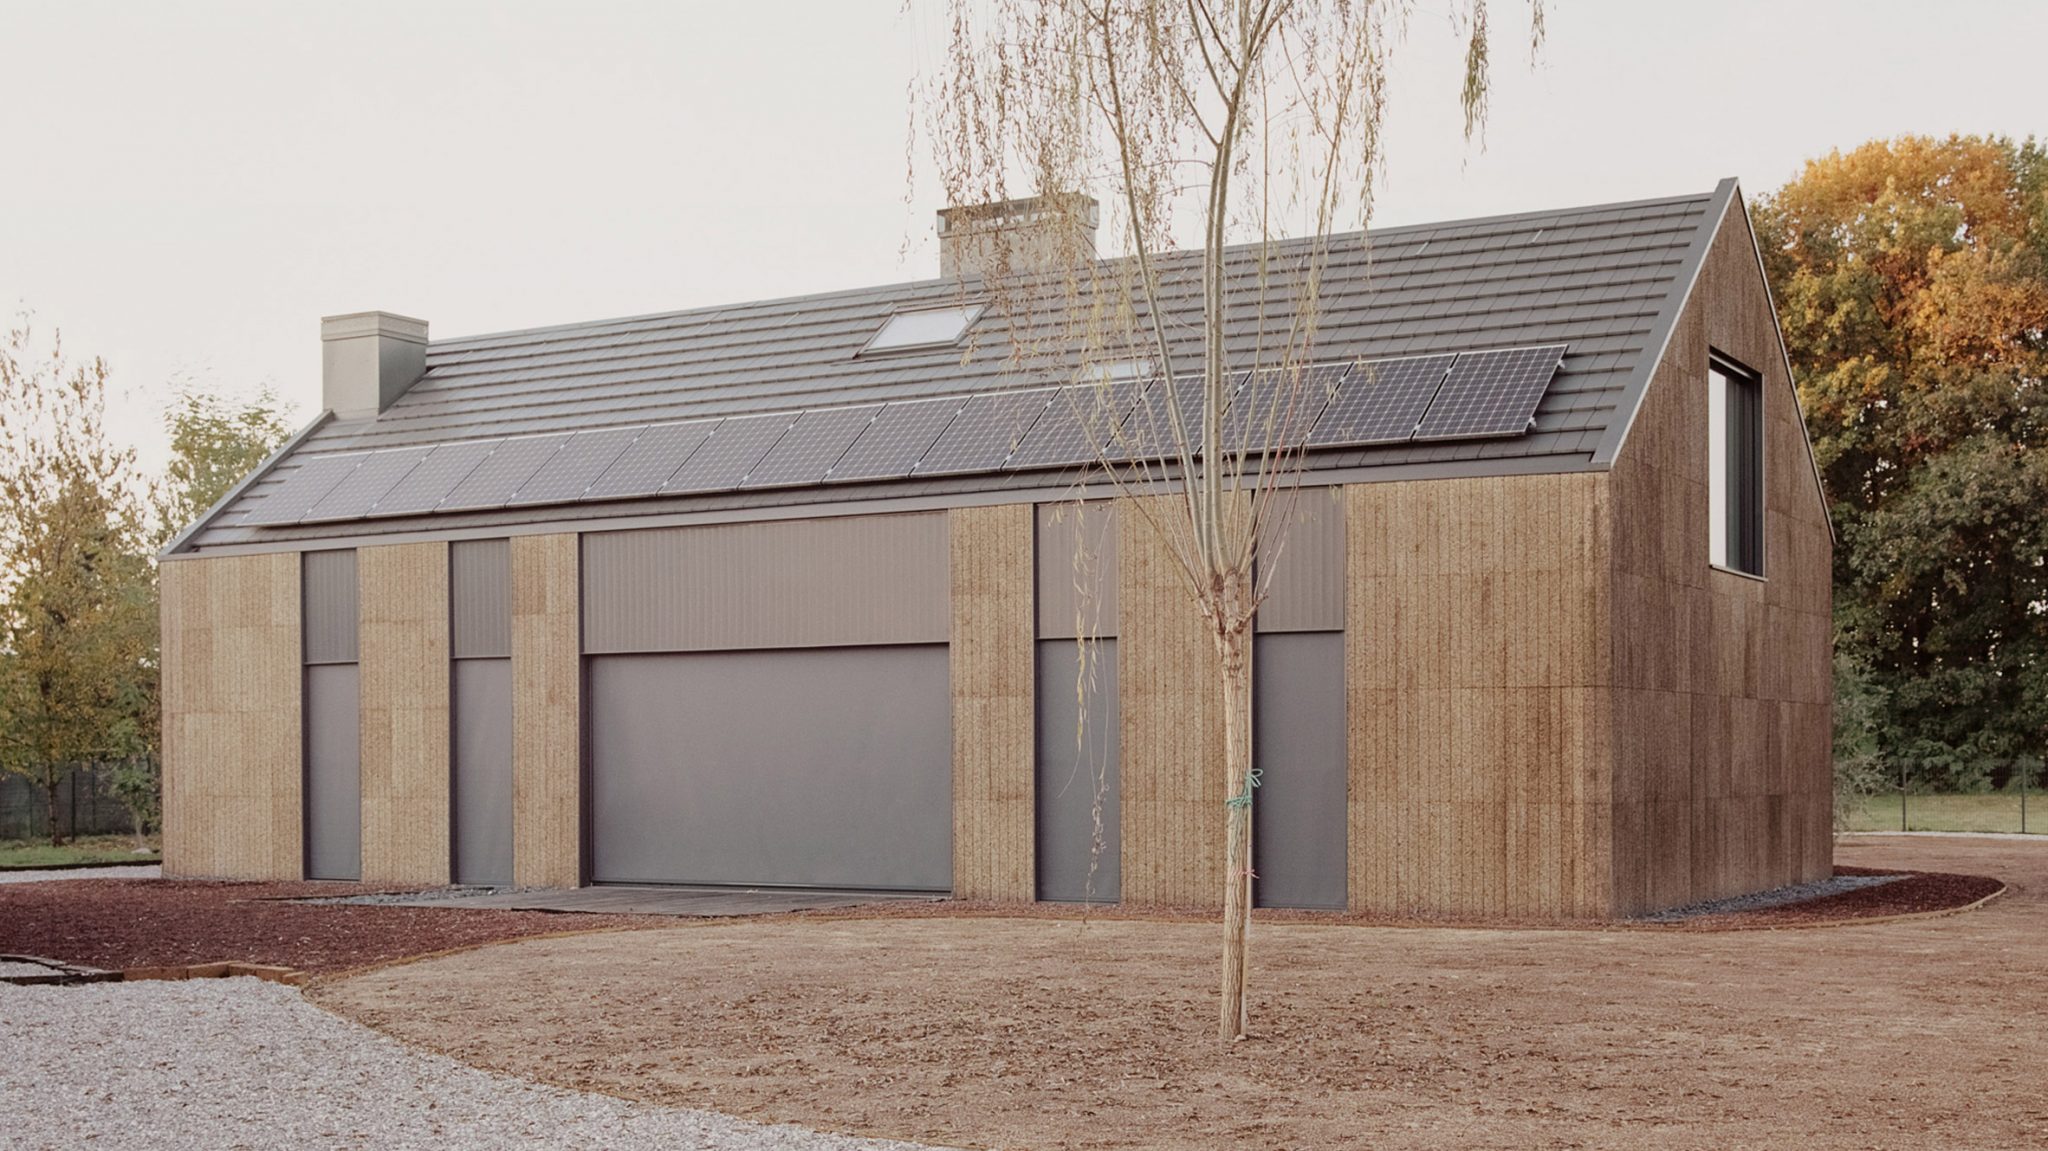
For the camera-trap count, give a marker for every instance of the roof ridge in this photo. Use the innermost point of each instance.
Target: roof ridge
(967, 287)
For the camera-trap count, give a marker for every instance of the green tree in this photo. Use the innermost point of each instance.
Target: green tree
(215, 441)
(1912, 283)
(77, 615)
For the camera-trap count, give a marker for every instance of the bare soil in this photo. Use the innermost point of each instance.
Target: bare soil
(118, 924)
(1041, 1032)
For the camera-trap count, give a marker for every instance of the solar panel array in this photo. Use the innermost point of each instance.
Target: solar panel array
(1380, 401)
(1491, 393)
(1446, 396)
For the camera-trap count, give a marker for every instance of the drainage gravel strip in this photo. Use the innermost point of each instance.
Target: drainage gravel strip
(236, 1063)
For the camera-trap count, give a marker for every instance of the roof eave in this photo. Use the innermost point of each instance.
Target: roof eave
(180, 541)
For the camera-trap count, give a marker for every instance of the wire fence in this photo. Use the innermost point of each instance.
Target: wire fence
(86, 805)
(2010, 802)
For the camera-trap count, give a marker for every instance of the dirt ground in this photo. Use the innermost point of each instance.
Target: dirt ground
(123, 923)
(1040, 1033)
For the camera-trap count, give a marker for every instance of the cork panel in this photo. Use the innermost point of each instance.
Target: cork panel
(231, 644)
(1740, 805)
(404, 664)
(1171, 724)
(1479, 669)
(992, 672)
(547, 678)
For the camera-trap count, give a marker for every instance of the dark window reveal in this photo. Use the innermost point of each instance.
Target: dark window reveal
(1735, 466)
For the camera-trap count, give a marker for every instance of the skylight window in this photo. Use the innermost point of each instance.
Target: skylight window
(927, 328)
(1113, 371)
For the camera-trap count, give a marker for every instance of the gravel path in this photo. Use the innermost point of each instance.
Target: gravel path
(235, 1063)
(139, 871)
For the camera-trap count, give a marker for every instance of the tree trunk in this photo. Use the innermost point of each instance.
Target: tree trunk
(50, 789)
(1234, 1017)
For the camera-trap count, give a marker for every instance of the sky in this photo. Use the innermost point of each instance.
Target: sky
(185, 188)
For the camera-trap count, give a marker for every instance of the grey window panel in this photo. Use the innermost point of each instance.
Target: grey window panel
(497, 477)
(838, 581)
(423, 489)
(730, 453)
(570, 472)
(1277, 407)
(1380, 401)
(1076, 542)
(327, 603)
(1301, 563)
(900, 436)
(480, 598)
(985, 432)
(1491, 393)
(829, 767)
(1077, 763)
(820, 437)
(1081, 419)
(333, 773)
(1299, 838)
(481, 794)
(653, 458)
(378, 473)
(288, 502)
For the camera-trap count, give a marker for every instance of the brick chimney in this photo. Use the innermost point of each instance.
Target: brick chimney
(1038, 234)
(368, 360)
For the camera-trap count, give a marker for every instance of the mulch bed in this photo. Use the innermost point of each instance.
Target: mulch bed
(1920, 892)
(118, 924)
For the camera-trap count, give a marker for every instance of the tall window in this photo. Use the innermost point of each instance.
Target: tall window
(1735, 466)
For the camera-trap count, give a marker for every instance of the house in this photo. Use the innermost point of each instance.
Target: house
(786, 593)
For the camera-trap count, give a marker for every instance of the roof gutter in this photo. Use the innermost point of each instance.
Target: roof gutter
(179, 541)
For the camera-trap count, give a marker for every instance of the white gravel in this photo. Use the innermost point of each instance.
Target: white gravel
(139, 871)
(238, 1063)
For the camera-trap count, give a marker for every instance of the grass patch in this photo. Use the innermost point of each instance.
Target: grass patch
(84, 849)
(1999, 811)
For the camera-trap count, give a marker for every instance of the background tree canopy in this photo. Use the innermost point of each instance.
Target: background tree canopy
(1912, 283)
(79, 529)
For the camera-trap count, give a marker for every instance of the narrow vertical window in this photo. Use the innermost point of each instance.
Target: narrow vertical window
(1735, 467)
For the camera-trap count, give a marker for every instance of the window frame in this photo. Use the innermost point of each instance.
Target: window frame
(1737, 460)
(971, 313)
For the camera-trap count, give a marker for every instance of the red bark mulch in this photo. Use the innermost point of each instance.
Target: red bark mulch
(118, 924)
(1918, 893)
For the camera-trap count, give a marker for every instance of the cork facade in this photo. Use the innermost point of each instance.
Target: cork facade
(1524, 685)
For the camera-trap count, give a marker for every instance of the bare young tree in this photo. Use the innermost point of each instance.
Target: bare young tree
(1243, 119)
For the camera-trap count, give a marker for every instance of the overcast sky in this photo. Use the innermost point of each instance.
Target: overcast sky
(187, 187)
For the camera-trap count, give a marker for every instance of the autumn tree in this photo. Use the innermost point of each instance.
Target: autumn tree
(1912, 283)
(1230, 122)
(216, 440)
(77, 618)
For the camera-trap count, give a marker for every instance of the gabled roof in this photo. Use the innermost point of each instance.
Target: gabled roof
(1605, 280)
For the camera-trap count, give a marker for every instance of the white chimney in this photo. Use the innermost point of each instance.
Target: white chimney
(1039, 234)
(368, 360)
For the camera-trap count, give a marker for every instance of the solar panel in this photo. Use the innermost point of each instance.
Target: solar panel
(1080, 419)
(890, 446)
(423, 488)
(569, 472)
(1148, 434)
(1380, 401)
(494, 480)
(378, 473)
(1491, 393)
(1277, 407)
(985, 432)
(641, 469)
(730, 453)
(290, 500)
(820, 437)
